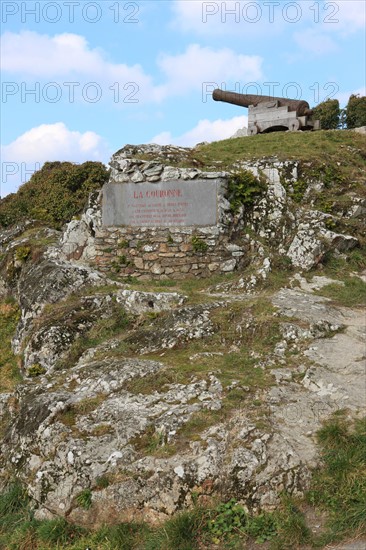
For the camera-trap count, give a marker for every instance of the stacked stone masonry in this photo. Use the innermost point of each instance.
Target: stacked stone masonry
(169, 252)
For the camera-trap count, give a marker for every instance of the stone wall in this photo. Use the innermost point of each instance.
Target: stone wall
(169, 252)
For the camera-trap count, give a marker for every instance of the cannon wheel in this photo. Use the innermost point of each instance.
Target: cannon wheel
(252, 130)
(295, 125)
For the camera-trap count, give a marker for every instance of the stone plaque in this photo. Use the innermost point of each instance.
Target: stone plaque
(162, 204)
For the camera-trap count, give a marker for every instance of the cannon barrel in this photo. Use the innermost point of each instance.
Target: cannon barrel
(245, 100)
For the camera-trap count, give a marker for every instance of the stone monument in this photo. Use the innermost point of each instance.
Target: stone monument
(160, 221)
(271, 114)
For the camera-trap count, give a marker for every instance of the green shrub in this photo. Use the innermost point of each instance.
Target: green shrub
(229, 518)
(296, 190)
(54, 194)
(198, 244)
(36, 370)
(22, 253)
(244, 188)
(356, 112)
(9, 318)
(328, 112)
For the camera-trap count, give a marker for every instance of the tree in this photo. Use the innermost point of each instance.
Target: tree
(328, 112)
(356, 112)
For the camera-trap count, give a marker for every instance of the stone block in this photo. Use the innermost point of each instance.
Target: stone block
(157, 269)
(139, 263)
(176, 262)
(137, 177)
(228, 266)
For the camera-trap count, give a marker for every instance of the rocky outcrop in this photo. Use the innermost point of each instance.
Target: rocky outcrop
(313, 240)
(304, 236)
(152, 400)
(48, 282)
(115, 425)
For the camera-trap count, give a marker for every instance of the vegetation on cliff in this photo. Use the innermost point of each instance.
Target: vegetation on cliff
(54, 194)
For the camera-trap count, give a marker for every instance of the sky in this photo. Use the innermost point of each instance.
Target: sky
(81, 79)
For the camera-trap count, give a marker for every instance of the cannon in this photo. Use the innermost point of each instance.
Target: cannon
(271, 114)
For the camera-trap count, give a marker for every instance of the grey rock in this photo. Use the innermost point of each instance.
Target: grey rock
(139, 302)
(45, 283)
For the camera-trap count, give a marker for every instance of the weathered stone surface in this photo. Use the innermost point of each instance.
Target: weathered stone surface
(139, 302)
(49, 345)
(48, 282)
(78, 239)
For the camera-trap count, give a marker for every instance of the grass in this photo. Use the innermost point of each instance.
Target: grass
(324, 148)
(84, 499)
(9, 366)
(234, 326)
(339, 485)
(352, 294)
(339, 266)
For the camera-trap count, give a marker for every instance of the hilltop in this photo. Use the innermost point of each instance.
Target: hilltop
(215, 412)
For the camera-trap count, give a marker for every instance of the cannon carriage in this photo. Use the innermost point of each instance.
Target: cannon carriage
(271, 114)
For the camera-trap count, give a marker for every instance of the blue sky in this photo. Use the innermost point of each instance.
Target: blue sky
(81, 79)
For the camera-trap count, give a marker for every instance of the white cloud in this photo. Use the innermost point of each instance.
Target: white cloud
(197, 65)
(47, 142)
(233, 16)
(205, 130)
(227, 18)
(315, 42)
(332, 22)
(68, 58)
(351, 16)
